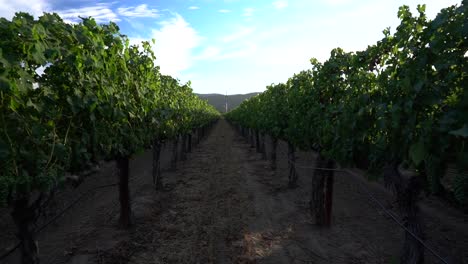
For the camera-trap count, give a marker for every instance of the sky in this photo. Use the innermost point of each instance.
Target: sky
(237, 46)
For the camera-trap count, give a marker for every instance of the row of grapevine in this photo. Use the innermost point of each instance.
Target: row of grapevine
(401, 102)
(72, 95)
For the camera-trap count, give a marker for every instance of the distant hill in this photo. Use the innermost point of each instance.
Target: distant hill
(218, 100)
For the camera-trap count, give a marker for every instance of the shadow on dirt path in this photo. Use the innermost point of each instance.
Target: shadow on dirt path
(225, 205)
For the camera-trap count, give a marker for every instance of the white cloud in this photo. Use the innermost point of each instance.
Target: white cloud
(138, 11)
(194, 7)
(248, 12)
(234, 45)
(280, 4)
(175, 41)
(336, 2)
(240, 34)
(134, 23)
(9, 7)
(244, 50)
(214, 53)
(208, 53)
(224, 11)
(272, 51)
(100, 12)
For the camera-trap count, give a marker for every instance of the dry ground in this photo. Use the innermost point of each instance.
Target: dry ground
(224, 205)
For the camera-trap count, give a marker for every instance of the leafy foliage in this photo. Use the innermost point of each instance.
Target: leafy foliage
(97, 98)
(403, 99)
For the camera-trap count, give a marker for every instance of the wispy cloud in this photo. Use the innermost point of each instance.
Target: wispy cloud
(208, 53)
(100, 12)
(194, 7)
(134, 23)
(248, 12)
(273, 49)
(246, 49)
(9, 7)
(240, 34)
(138, 11)
(336, 2)
(235, 45)
(224, 11)
(213, 53)
(281, 4)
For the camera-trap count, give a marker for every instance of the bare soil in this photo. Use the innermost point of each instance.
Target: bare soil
(225, 205)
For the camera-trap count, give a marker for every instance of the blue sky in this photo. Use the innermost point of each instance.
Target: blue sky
(237, 46)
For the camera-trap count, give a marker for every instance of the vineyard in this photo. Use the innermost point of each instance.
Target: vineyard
(402, 102)
(72, 96)
(78, 100)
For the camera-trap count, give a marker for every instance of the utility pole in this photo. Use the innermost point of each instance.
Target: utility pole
(225, 103)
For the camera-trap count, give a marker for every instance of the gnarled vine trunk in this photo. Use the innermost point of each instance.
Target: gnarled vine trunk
(196, 138)
(203, 131)
(257, 141)
(175, 154)
(407, 190)
(262, 146)
(292, 176)
(183, 154)
(251, 135)
(189, 144)
(322, 191)
(124, 192)
(274, 146)
(157, 180)
(24, 217)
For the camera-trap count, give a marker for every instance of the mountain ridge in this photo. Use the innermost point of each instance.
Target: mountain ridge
(219, 100)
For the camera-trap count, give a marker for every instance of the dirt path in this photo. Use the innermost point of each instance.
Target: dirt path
(203, 214)
(224, 205)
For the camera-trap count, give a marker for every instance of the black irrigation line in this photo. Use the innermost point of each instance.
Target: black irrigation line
(377, 202)
(395, 219)
(68, 207)
(373, 198)
(9, 252)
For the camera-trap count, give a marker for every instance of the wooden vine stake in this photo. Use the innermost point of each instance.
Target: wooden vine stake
(322, 192)
(251, 136)
(257, 141)
(406, 190)
(292, 176)
(175, 157)
(262, 146)
(274, 145)
(124, 192)
(157, 180)
(24, 215)
(189, 144)
(183, 155)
